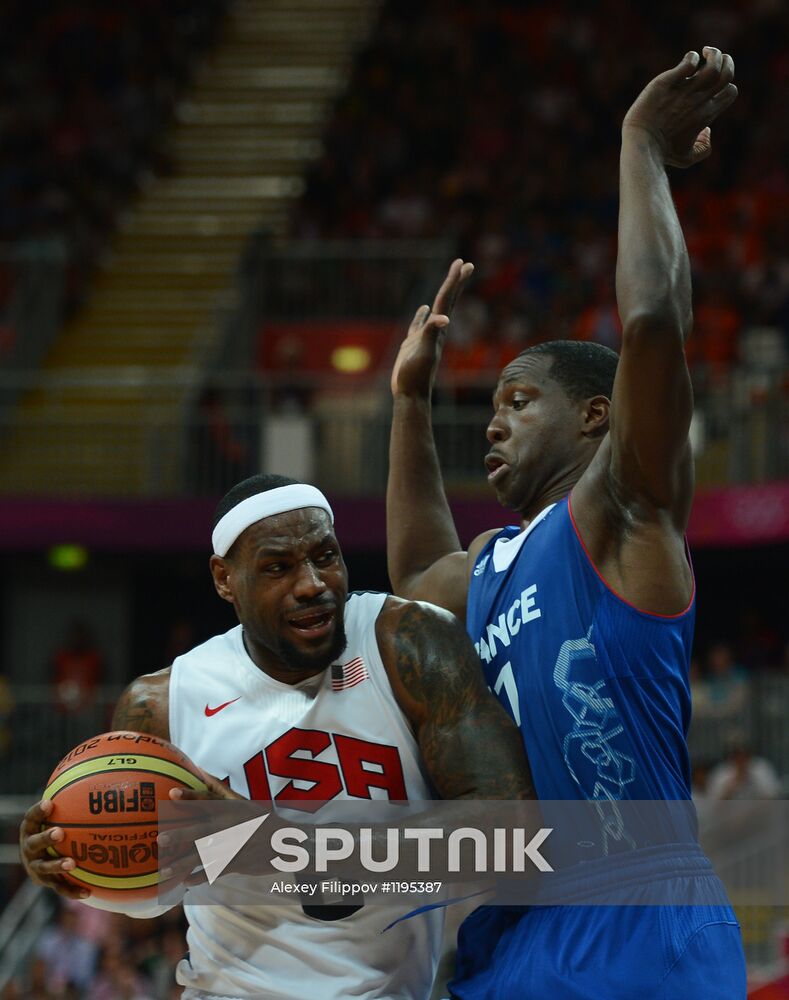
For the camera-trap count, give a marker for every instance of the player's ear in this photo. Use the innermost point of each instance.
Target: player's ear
(220, 570)
(595, 416)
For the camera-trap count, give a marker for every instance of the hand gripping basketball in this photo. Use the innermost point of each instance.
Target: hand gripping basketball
(94, 832)
(36, 842)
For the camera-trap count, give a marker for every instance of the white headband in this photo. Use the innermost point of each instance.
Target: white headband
(261, 505)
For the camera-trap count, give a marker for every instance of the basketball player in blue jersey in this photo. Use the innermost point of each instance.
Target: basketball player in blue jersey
(583, 613)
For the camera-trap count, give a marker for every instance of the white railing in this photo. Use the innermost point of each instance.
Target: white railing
(339, 427)
(754, 870)
(176, 447)
(20, 926)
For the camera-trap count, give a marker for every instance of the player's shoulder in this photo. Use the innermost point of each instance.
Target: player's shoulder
(477, 547)
(399, 615)
(205, 655)
(149, 684)
(362, 608)
(421, 644)
(144, 705)
(479, 543)
(365, 598)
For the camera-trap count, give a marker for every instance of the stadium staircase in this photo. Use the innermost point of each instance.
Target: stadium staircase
(245, 134)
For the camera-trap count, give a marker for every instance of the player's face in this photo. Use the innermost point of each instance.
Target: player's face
(289, 590)
(533, 434)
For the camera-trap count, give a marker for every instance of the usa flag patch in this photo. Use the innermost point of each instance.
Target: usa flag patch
(348, 675)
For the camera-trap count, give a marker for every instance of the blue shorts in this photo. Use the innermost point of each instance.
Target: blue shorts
(604, 952)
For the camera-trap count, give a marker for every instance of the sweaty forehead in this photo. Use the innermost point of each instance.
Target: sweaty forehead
(293, 529)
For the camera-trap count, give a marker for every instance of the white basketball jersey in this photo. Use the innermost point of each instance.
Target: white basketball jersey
(339, 735)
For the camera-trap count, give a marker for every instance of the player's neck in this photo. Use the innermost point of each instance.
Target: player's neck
(546, 498)
(274, 667)
(560, 485)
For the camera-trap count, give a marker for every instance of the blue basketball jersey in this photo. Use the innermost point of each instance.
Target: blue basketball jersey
(598, 688)
(600, 693)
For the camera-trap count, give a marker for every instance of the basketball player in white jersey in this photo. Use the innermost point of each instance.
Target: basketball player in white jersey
(316, 695)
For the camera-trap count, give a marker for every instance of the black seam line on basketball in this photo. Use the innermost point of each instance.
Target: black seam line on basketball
(112, 770)
(107, 826)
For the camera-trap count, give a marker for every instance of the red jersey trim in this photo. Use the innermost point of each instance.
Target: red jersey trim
(624, 600)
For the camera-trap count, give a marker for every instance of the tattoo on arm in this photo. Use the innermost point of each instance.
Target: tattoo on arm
(143, 706)
(136, 715)
(469, 744)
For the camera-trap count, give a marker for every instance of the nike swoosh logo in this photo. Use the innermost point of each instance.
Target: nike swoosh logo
(212, 711)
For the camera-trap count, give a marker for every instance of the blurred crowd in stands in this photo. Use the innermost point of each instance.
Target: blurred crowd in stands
(87, 93)
(89, 954)
(497, 126)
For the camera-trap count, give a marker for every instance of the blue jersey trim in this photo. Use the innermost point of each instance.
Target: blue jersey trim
(652, 615)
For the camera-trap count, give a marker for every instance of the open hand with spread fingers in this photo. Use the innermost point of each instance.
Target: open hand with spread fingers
(678, 107)
(419, 355)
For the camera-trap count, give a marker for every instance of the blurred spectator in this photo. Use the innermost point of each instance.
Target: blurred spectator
(67, 957)
(77, 668)
(113, 959)
(699, 689)
(525, 180)
(290, 394)
(98, 927)
(84, 105)
(180, 639)
(700, 794)
(743, 776)
(734, 808)
(118, 979)
(221, 456)
(37, 988)
(724, 692)
(161, 964)
(760, 641)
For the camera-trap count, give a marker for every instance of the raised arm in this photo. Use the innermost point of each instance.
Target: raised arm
(425, 557)
(470, 746)
(652, 401)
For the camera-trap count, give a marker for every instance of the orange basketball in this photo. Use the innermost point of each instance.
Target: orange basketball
(105, 794)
